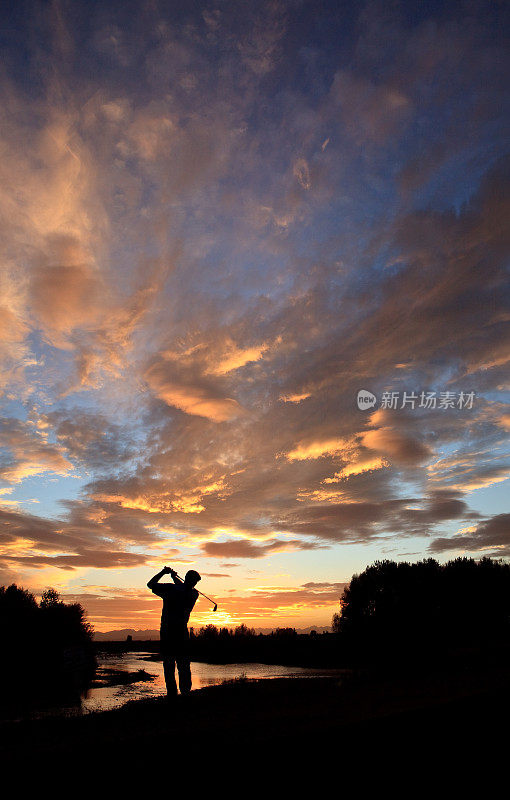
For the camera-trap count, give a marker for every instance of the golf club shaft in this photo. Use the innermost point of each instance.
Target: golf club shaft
(203, 595)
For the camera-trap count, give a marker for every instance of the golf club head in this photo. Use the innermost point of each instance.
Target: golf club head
(215, 607)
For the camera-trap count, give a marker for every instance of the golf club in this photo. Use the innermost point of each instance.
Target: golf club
(203, 595)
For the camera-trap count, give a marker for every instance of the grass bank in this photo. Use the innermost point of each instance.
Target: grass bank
(280, 715)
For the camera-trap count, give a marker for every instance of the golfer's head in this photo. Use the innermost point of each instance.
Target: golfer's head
(191, 577)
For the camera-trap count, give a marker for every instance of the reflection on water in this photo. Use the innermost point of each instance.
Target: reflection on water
(103, 698)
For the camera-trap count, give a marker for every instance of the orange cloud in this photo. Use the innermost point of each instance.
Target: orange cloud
(244, 548)
(316, 449)
(504, 421)
(295, 398)
(14, 352)
(65, 290)
(235, 357)
(30, 452)
(359, 464)
(200, 399)
(396, 445)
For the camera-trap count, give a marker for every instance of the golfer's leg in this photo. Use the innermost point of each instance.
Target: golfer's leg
(169, 670)
(184, 669)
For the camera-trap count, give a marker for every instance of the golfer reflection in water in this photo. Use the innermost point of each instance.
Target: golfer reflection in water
(178, 601)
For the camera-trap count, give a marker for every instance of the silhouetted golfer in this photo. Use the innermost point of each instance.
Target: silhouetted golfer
(178, 601)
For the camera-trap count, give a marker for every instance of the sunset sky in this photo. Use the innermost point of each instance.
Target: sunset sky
(219, 222)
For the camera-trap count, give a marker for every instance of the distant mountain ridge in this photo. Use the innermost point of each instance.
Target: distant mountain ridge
(147, 635)
(123, 633)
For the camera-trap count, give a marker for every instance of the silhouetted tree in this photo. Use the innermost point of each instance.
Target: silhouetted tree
(50, 598)
(208, 633)
(392, 609)
(51, 651)
(243, 631)
(284, 633)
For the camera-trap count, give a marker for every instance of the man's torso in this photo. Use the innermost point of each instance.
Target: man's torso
(178, 603)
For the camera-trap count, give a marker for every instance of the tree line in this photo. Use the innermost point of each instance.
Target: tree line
(243, 644)
(391, 613)
(48, 648)
(398, 610)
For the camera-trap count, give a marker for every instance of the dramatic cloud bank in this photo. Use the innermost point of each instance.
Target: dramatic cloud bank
(218, 225)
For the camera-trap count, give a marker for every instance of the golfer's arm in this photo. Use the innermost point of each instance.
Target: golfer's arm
(153, 581)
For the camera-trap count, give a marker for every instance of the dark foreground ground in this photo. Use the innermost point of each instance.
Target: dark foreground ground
(451, 711)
